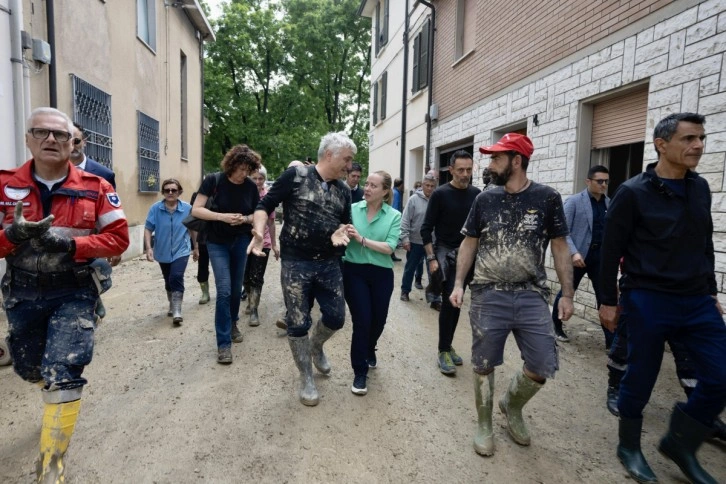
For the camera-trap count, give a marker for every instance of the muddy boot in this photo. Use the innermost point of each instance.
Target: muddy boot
(484, 394)
(59, 420)
(521, 389)
(685, 435)
(629, 451)
(321, 334)
(176, 307)
(280, 323)
(253, 300)
(100, 309)
(205, 292)
(300, 347)
(170, 312)
(236, 334)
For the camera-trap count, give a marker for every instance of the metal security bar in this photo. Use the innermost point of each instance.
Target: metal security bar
(92, 110)
(148, 153)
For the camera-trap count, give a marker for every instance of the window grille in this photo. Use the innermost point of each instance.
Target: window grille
(92, 110)
(148, 153)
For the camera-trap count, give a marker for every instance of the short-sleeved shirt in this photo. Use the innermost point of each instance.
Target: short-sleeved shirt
(171, 237)
(385, 227)
(514, 231)
(312, 210)
(229, 198)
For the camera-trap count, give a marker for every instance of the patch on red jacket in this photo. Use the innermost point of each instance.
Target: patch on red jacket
(16, 193)
(113, 199)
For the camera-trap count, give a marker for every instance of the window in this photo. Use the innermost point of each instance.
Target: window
(381, 24)
(465, 27)
(183, 103)
(379, 98)
(148, 153)
(421, 58)
(146, 22)
(92, 110)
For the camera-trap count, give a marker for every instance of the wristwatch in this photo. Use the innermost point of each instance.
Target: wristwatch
(431, 257)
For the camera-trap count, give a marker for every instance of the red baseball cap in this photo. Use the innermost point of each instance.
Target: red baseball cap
(511, 142)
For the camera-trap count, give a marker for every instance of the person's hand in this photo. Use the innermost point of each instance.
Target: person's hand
(341, 236)
(565, 308)
(114, 260)
(276, 251)
(150, 254)
(352, 233)
(457, 297)
(22, 230)
(608, 317)
(53, 243)
(718, 305)
(433, 265)
(407, 246)
(256, 244)
(578, 261)
(195, 254)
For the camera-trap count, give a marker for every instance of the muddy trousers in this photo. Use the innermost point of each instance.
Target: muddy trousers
(368, 290)
(654, 317)
(255, 270)
(173, 273)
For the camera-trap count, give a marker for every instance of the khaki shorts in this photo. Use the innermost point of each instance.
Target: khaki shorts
(494, 314)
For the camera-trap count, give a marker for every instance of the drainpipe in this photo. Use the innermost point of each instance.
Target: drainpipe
(431, 80)
(201, 104)
(404, 102)
(19, 94)
(52, 82)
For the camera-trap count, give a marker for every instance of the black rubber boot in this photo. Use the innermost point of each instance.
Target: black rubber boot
(685, 435)
(612, 400)
(629, 451)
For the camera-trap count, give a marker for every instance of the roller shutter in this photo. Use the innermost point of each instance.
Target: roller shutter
(621, 120)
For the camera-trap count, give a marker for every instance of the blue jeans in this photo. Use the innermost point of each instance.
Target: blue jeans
(228, 265)
(414, 260)
(173, 273)
(368, 291)
(654, 317)
(305, 281)
(51, 338)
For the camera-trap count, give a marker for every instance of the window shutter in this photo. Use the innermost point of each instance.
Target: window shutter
(385, 22)
(424, 63)
(378, 28)
(375, 103)
(620, 121)
(416, 54)
(384, 88)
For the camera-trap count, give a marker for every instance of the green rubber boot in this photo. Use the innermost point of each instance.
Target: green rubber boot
(320, 335)
(205, 292)
(521, 390)
(484, 395)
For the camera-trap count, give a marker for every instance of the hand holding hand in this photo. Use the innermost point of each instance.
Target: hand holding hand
(21, 230)
(341, 236)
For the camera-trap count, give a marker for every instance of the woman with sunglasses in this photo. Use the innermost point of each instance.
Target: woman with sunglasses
(229, 232)
(172, 243)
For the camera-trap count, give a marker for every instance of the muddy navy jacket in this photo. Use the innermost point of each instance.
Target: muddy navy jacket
(310, 213)
(83, 205)
(666, 239)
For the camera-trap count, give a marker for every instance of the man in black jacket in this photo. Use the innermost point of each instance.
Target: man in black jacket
(660, 223)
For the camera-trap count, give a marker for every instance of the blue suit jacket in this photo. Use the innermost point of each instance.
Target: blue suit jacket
(578, 212)
(96, 168)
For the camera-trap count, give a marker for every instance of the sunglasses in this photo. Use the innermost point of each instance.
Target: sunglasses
(42, 133)
(170, 190)
(600, 182)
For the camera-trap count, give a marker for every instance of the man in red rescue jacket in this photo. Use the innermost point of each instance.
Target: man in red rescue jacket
(56, 219)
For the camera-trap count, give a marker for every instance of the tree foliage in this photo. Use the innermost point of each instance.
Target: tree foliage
(282, 74)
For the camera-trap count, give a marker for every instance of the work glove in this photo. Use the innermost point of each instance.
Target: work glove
(51, 242)
(21, 230)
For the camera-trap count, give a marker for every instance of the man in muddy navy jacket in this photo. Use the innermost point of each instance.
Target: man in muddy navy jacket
(55, 220)
(660, 222)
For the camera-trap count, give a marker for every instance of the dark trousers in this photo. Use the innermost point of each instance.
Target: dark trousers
(413, 267)
(203, 264)
(592, 269)
(255, 270)
(654, 317)
(173, 273)
(368, 290)
(449, 315)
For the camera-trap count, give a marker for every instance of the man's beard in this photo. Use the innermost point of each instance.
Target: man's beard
(501, 179)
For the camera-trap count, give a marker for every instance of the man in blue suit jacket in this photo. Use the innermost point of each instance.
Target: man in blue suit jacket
(585, 213)
(79, 158)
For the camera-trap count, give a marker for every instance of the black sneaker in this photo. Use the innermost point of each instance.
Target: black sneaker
(359, 385)
(418, 284)
(404, 296)
(372, 361)
(436, 306)
(560, 335)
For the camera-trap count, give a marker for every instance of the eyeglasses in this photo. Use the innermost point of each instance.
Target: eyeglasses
(599, 182)
(170, 190)
(76, 141)
(42, 133)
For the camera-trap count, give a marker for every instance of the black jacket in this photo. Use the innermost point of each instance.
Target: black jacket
(665, 239)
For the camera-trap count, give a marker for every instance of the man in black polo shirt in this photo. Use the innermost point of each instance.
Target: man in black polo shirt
(316, 209)
(445, 216)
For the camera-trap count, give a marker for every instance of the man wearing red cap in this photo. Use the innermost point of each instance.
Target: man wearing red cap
(507, 231)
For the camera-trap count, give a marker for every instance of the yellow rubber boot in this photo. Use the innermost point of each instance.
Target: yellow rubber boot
(59, 420)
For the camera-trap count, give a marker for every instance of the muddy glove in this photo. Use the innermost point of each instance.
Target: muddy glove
(51, 242)
(21, 230)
